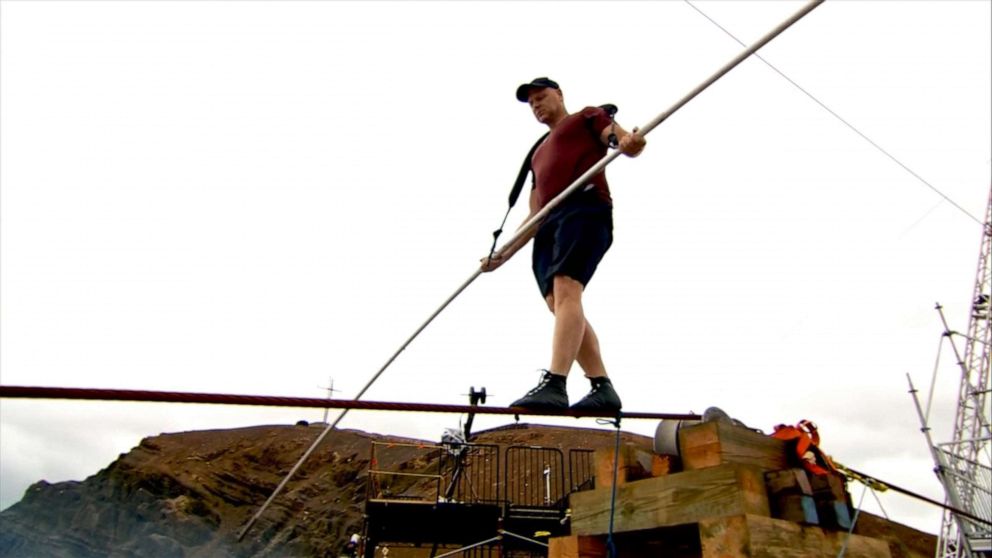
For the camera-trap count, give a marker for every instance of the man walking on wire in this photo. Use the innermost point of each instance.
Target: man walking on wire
(571, 241)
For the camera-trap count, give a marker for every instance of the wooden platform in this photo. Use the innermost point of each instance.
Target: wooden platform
(675, 499)
(733, 493)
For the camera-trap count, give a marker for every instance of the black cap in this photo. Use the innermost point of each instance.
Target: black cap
(537, 83)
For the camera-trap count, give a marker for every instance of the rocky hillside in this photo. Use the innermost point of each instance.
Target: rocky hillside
(189, 494)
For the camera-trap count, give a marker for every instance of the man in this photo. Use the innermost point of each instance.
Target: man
(571, 241)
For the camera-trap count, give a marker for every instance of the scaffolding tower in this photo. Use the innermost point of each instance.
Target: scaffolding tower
(964, 464)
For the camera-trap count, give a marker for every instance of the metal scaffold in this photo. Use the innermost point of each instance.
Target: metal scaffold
(964, 464)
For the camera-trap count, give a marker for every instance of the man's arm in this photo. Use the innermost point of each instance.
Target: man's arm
(508, 252)
(629, 143)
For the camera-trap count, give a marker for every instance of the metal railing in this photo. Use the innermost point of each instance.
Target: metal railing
(406, 482)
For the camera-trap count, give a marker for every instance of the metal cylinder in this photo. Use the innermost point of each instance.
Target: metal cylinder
(666, 436)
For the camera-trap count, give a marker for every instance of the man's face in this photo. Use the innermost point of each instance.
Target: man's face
(545, 103)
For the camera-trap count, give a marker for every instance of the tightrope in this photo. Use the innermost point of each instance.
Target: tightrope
(99, 394)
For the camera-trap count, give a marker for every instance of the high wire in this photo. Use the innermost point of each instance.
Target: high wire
(839, 117)
(101, 394)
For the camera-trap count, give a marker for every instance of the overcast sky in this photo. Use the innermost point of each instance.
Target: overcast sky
(257, 197)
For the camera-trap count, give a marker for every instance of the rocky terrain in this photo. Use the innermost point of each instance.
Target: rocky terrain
(189, 494)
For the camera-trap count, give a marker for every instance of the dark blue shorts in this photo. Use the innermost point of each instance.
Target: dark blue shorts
(572, 241)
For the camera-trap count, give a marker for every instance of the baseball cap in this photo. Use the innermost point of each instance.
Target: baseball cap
(537, 83)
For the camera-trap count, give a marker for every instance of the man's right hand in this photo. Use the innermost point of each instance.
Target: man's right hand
(491, 264)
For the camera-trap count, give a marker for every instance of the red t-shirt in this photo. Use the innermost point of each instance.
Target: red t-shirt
(572, 147)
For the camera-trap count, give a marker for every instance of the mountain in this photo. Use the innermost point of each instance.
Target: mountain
(189, 494)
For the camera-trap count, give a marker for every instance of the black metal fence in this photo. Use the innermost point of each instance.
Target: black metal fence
(439, 498)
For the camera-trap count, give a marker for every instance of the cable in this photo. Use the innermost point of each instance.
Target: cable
(880, 485)
(29, 392)
(838, 117)
(854, 522)
(880, 506)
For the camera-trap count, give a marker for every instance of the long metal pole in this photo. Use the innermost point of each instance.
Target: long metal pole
(537, 218)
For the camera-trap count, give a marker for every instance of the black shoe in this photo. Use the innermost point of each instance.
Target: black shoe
(602, 397)
(549, 394)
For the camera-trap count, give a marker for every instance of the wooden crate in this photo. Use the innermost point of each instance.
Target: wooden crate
(674, 499)
(715, 443)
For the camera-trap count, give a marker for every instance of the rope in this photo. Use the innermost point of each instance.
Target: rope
(857, 513)
(611, 547)
(880, 506)
(26, 392)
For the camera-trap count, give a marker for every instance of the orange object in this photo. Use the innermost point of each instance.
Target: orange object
(808, 449)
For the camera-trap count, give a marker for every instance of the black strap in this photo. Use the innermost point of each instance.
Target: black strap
(518, 187)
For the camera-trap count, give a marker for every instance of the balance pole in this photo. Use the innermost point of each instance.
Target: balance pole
(532, 223)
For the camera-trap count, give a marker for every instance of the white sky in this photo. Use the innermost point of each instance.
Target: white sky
(254, 197)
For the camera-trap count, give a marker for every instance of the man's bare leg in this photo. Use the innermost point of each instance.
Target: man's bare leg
(570, 324)
(574, 339)
(589, 357)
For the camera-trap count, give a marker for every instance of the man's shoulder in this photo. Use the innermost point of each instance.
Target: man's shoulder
(596, 118)
(588, 116)
(585, 114)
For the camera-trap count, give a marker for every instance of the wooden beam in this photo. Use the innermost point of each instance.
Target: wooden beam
(635, 464)
(673, 499)
(715, 443)
(751, 536)
(575, 546)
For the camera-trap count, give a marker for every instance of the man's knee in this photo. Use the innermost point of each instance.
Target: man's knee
(550, 300)
(566, 291)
